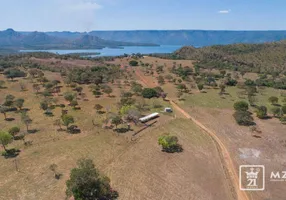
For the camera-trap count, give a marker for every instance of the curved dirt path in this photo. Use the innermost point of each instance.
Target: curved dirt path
(228, 163)
(241, 195)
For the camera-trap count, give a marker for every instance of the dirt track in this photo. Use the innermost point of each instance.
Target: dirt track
(231, 170)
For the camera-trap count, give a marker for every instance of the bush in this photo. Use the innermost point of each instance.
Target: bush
(273, 100)
(241, 106)
(149, 93)
(169, 144)
(243, 118)
(133, 63)
(283, 119)
(261, 112)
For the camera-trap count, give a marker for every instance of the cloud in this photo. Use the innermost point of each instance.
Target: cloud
(224, 11)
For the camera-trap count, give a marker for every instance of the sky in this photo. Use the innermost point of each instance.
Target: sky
(88, 15)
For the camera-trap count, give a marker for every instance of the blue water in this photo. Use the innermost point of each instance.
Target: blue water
(117, 52)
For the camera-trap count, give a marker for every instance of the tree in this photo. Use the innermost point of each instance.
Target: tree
(2, 84)
(283, 108)
(14, 73)
(261, 112)
(23, 86)
(58, 123)
(19, 103)
(26, 120)
(67, 120)
(53, 168)
(276, 111)
(133, 63)
(161, 80)
(74, 103)
(4, 110)
(116, 121)
(86, 183)
(36, 87)
(14, 131)
(79, 89)
(222, 89)
(69, 96)
(9, 99)
(149, 93)
(44, 105)
(241, 106)
(273, 100)
(200, 86)
(5, 139)
(98, 107)
(169, 144)
(243, 118)
(108, 90)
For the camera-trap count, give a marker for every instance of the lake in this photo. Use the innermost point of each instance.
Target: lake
(117, 52)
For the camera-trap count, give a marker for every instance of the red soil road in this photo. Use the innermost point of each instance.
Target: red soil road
(241, 195)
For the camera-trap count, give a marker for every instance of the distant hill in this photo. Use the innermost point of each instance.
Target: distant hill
(267, 57)
(12, 40)
(196, 38)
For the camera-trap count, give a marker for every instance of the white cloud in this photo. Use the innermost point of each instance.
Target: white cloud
(224, 11)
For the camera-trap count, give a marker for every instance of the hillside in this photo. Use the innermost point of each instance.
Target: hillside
(192, 37)
(267, 57)
(12, 40)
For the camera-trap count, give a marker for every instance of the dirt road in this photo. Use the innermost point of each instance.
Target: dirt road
(228, 163)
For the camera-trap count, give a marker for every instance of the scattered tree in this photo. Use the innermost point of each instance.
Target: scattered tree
(241, 106)
(19, 103)
(86, 183)
(5, 139)
(67, 120)
(169, 144)
(273, 100)
(26, 120)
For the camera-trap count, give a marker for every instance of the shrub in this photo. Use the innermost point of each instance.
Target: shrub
(276, 111)
(149, 93)
(283, 108)
(243, 118)
(283, 119)
(169, 144)
(133, 63)
(14, 131)
(241, 106)
(273, 100)
(261, 112)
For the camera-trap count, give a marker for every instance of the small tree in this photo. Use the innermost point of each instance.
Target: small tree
(69, 96)
(277, 112)
(14, 131)
(273, 100)
(53, 168)
(67, 120)
(261, 112)
(44, 105)
(74, 103)
(86, 183)
(169, 144)
(5, 139)
(116, 121)
(108, 91)
(36, 87)
(98, 107)
(133, 63)
(243, 118)
(2, 84)
(58, 123)
(241, 106)
(19, 103)
(26, 120)
(4, 110)
(200, 86)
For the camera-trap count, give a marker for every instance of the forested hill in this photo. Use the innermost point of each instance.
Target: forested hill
(267, 57)
(196, 38)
